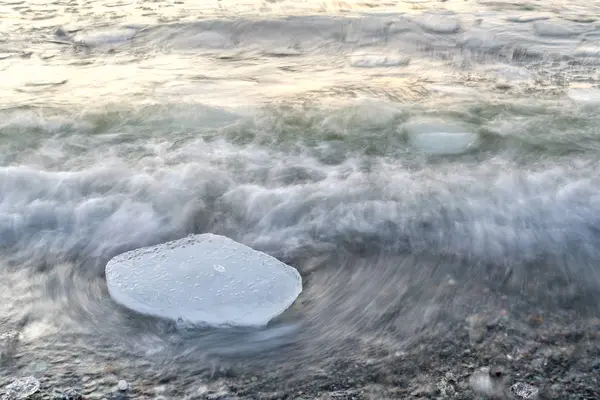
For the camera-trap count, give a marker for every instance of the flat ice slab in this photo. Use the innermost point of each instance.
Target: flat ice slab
(439, 137)
(203, 279)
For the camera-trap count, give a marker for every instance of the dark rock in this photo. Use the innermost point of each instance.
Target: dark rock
(69, 394)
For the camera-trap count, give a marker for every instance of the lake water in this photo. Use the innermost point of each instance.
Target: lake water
(383, 149)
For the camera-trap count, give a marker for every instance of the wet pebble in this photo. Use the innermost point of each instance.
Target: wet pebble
(61, 33)
(69, 394)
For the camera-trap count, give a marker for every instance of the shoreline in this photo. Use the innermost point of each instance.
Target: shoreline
(494, 354)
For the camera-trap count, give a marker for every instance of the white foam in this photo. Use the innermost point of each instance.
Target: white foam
(203, 279)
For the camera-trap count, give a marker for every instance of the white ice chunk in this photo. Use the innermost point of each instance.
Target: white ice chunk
(585, 96)
(366, 60)
(203, 279)
(556, 29)
(439, 23)
(21, 388)
(439, 137)
(105, 37)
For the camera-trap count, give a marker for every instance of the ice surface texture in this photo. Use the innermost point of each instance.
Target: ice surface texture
(203, 279)
(21, 388)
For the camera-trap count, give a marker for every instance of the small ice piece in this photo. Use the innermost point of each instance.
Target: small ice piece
(367, 60)
(203, 279)
(105, 37)
(555, 29)
(588, 52)
(439, 23)
(528, 17)
(439, 137)
(454, 90)
(585, 96)
(21, 388)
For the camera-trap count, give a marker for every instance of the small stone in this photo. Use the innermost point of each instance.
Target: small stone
(61, 33)
(539, 363)
(423, 390)
(122, 385)
(94, 396)
(69, 394)
(524, 391)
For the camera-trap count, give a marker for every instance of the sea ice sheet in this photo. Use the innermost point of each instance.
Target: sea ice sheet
(203, 279)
